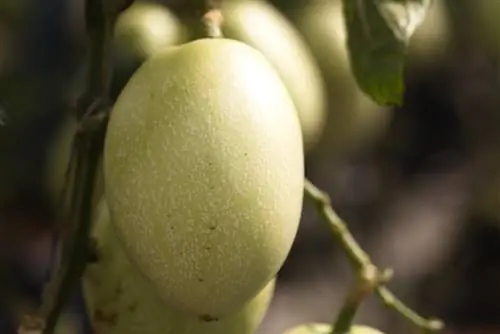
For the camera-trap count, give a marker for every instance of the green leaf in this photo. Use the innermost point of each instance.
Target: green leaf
(378, 33)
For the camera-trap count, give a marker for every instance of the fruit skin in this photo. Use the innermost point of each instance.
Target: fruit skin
(121, 301)
(260, 25)
(430, 43)
(204, 173)
(353, 120)
(318, 328)
(142, 30)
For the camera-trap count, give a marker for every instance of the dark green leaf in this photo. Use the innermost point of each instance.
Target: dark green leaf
(378, 33)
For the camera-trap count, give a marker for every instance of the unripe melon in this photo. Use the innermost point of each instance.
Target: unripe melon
(354, 121)
(142, 30)
(260, 25)
(432, 40)
(204, 173)
(120, 300)
(319, 328)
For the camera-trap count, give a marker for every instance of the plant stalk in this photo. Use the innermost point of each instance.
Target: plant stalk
(361, 261)
(92, 111)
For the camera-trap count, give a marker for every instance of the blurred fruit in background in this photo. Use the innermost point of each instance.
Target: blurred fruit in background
(353, 120)
(42, 53)
(319, 328)
(260, 25)
(142, 30)
(431, 42)
(121, 300)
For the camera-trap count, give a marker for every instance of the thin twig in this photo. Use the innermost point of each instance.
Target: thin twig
(92, 112)
(360, 259)
(391, 301)
(368, 280)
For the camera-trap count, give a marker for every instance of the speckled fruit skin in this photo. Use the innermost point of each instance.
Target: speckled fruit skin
(353, 120)
(121, 301)
(204, 173)
(318, 328)
(260, 25)
(141, 31)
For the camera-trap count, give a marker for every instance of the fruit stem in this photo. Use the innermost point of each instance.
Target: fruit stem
(368, 280)
(362, 263)
(92, 110)
(212, 18)
(212, 21)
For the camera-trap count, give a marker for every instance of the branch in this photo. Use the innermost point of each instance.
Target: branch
(360, 259)
(92, 110)
(369, 279)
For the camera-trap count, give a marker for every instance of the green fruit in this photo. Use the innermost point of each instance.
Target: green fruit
(204, 173)
(141, 31)
(431, 41)
(353, 120)
(318, 328)
(261, 26)
(120, 300)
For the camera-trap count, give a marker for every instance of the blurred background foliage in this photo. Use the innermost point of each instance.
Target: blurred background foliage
(419, 184)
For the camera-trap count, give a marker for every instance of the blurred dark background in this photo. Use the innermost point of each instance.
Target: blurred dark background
(412, 198)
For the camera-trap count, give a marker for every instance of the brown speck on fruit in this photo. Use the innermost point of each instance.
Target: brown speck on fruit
(212, 228)
(106, 319)
(118, 290)
(133, 307)
(208, 318)
(93, 251)
(201, 280)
